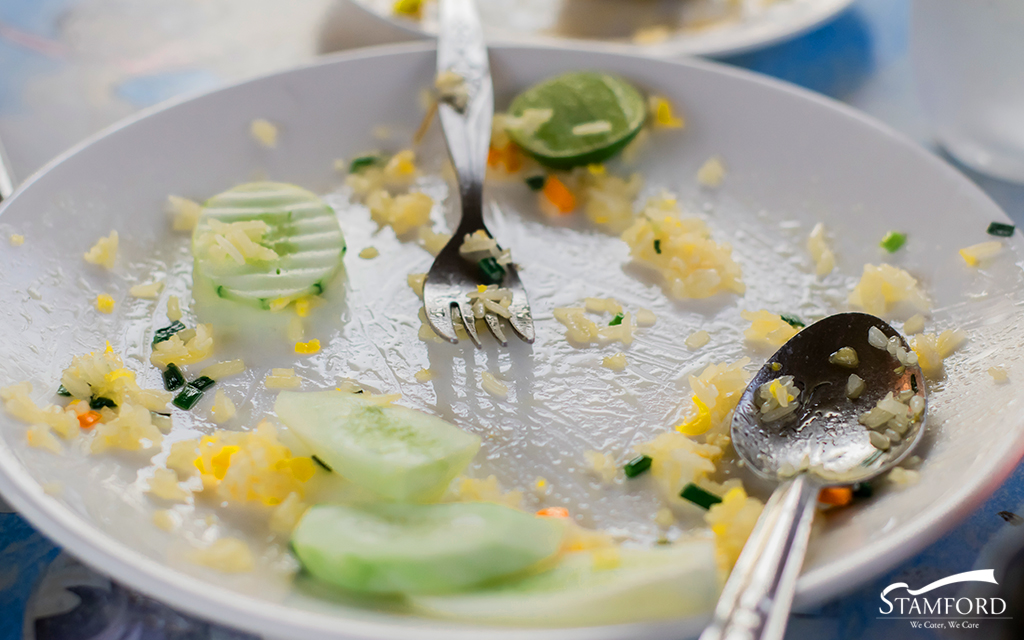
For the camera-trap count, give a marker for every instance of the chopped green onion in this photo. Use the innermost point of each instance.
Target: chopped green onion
(913, 383)
(168, 331)
(98, 403)
(617, 320)
(203, 383)
(536, 183)
(193, 391)
(1001, 230)
(490, 271)
(900, 370)
(63, 391)
(188, 397)
(698, 496)
(173, 377)
(893, 241)
(657, 247)
(636, 466)
(862, 490)
(793, 321)
(321, 463)
(360, 163)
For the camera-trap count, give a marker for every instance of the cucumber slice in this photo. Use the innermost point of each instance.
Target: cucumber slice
(417, 549)
(301, 230)
(398, 453)
(648, 584)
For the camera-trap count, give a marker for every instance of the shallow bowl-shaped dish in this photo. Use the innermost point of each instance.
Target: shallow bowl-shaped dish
(793, 159)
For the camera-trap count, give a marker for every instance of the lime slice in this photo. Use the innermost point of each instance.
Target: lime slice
(587, 117)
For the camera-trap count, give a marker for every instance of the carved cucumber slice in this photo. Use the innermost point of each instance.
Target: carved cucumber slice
(263, 242)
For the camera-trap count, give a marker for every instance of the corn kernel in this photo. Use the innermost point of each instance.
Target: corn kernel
(104, 303)
(663, 115)
(408, 7)
(221, 461)
(279, 303)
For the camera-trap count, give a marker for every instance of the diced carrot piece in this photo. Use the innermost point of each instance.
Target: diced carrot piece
(559, 195)
(508, 155)
(513, 159)
(88, 419)
(837, 496)
(493, 157)
(553, 512)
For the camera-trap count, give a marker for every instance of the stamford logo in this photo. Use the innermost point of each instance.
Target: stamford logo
(938, 612)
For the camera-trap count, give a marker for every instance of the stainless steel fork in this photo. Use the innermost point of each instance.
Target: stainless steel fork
(466, 121)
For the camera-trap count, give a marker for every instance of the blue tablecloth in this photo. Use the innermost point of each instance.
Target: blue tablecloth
(54, 90)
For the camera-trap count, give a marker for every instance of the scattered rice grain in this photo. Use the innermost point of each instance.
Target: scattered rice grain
(173, 308)
(999, 374)
(712, 173)
(264, 132)
(855, 386)
(147, 291)
(492, 385)
(645, 318)
(697, 339)
(821, 253)
(616, 362)
(282, 379)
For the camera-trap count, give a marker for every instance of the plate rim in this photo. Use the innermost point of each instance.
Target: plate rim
(226, 606)
(673, 48)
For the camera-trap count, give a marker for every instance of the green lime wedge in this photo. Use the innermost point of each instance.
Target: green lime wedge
(577, 118)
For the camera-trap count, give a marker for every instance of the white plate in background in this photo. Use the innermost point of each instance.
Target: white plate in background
(701, 29)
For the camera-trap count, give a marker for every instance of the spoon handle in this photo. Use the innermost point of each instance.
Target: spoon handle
(756, 599)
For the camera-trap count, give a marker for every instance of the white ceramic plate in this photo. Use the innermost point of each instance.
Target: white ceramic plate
(700, 27)
(793, 159)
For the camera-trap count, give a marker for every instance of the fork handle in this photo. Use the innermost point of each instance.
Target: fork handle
(6, 175)
(461, 49)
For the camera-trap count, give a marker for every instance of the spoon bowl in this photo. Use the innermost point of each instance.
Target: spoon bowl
(823, 437)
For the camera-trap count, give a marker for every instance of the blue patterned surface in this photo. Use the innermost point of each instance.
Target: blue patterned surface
(24, 554)
(860, 58)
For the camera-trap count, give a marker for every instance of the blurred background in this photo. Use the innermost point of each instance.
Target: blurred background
(69, 68)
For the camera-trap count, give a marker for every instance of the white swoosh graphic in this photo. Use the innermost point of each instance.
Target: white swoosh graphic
(982, 575)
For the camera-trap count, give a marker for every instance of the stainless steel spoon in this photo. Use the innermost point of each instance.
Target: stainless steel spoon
(819, 445)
